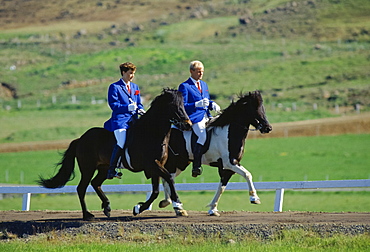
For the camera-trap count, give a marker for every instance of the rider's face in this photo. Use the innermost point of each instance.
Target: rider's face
(128, 76)
(197, 73)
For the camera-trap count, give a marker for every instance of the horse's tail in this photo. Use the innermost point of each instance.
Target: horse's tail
(66, 171)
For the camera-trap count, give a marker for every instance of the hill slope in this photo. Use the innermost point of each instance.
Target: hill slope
(301, 54)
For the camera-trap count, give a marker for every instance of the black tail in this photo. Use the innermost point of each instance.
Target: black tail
(66, 171)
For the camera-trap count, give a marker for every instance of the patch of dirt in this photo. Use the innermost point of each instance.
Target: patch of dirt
(234, 217)
(122, 224)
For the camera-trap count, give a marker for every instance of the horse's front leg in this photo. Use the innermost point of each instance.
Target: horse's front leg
(239, 169)
(142, 206)
(176, 203)
(225, 176)
(167, 190)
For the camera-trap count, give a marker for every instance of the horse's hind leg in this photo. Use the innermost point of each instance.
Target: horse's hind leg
(142, 206)
(81, 191)
(96, 184)
(225, 176)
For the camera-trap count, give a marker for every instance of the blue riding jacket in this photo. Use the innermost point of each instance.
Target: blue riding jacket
(191, 95)
(118, 100)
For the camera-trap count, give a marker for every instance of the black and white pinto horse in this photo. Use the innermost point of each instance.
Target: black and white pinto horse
(224, 148)
(145, 150)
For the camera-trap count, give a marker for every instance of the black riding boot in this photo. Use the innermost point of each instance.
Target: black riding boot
(116, 154)
(197, 162)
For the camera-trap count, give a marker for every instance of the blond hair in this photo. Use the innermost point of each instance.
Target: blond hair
(196, 64)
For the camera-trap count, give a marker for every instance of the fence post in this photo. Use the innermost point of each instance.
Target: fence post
(26, 202)
(279, 197)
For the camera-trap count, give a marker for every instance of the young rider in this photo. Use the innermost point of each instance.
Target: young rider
(125, 101)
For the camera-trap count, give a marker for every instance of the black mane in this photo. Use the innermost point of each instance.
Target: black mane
(232, 112)
(172, 94)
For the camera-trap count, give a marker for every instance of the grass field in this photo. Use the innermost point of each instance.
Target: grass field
(270, 159)
(300, 54)
(312, 201)
(306, 54)
(287, 240)
(282, 159)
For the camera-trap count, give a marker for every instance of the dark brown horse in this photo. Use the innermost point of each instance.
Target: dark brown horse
(145, 150)
(224, 148)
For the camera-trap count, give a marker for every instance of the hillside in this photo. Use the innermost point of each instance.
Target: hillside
(301, 54)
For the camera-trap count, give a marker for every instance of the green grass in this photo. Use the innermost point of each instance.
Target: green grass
(270, 159)
(286, 240)
(325, 201)
(239, 59)
(289, 159)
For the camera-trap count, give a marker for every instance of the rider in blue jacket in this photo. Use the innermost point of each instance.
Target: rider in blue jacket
(197, 105)
(125, 101)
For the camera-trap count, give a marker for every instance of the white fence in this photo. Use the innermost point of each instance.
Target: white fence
(278, 186)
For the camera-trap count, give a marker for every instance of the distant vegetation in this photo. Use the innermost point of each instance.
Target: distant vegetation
(57, 60)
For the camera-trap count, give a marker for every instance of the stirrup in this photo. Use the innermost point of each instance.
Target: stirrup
(114, 174)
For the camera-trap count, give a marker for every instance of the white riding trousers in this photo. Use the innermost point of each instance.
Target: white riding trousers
(120, 135)
(200, 130)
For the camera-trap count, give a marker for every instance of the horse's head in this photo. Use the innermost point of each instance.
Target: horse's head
(172, 105)
(255, 111)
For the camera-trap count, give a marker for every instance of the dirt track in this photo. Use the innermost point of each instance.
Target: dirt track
(234, 217)
(241, 224)
(262, 224)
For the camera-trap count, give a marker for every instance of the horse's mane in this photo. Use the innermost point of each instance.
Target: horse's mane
(232, 112)
(168, 92)
(157, 106)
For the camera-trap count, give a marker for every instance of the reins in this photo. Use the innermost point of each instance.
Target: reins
(247, 128)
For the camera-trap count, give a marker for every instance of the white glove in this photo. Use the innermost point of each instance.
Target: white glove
(141, 111)
(202, 103)
(215, 107)
(132, 107)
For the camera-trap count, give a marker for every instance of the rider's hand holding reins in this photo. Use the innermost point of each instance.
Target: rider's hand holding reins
(215, 107)
(132, 107)
(202, 103)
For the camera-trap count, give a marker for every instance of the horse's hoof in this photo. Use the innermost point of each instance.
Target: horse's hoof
(107, 211)
(164, 203)
(257, 202)
(181, 212)
(213, 213)
(136, 210)
(88, 216)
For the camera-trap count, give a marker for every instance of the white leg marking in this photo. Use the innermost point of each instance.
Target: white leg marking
(137, 209)
(177, 205)
(248, 176)
(213, 205)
